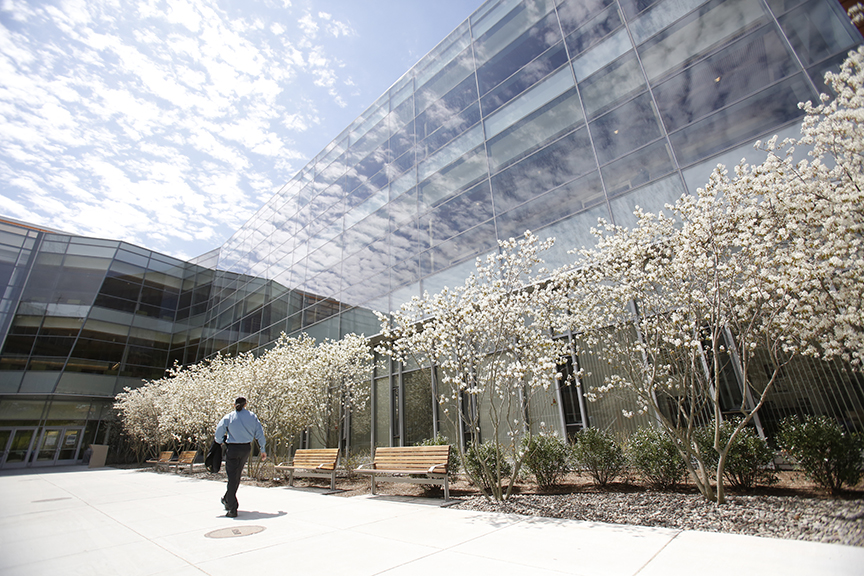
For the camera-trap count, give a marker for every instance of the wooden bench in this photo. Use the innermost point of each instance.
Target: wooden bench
(314, 463)
(186, 457)
(411, 464)
(164, 458)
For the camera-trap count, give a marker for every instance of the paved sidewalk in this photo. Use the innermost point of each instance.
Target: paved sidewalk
(110, 521)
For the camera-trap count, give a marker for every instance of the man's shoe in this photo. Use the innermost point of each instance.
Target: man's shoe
(231, 514)
(224, 503)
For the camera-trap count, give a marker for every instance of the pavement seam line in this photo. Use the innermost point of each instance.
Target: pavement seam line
(678, 533)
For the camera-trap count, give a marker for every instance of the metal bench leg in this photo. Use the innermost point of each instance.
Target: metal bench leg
(291, 478)
(333, 480)
(373, 483)
(446, 490)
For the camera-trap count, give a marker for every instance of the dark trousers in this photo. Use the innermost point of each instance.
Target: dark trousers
(236, 456)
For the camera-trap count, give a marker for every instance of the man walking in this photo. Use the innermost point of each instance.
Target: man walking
(240, 427)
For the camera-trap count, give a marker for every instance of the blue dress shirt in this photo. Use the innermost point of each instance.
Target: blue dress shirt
(241, 427)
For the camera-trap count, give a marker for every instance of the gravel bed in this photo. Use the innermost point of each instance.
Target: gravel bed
(816, 519)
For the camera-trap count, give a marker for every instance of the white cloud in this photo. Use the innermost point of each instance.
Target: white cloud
(163, 124)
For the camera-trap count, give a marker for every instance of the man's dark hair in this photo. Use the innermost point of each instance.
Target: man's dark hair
(239, 403)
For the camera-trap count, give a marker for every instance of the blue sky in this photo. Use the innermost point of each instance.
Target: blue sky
(169, 123)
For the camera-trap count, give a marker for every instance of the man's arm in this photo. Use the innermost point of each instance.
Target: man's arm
(221, 430)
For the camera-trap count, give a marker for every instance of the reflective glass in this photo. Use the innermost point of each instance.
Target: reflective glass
(555, 118)
(651, 198)
(571, 233)
(747, 119)
(816, 31)
(403, 208)
(522, 80)
(417, 398)
(550, 207)
(590, 62)
(698, 33)
(624, 129)
(743, 68)
(464, 172)
(463, 247)
(593, 31)
(642, 166)
(574, 13)
(468, 141)
(507, 27)
(489, 14)
(633, 7)
(457, 215)
(455, 125)
(454, 78)
(453, 276)
(612, 85)
(530, 100)
(560, 162)
(659, 17)
(517, 53)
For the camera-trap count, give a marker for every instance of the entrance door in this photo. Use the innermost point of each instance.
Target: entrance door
(58, 445)
(17, 445)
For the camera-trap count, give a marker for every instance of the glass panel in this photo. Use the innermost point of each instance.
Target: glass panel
(651, 198)
(612, 85)
(69, 445)
(697, 176)
(418, 406)
(572, 232)
(463, 247)
(624, 129)
(816, 31)
(517, 53)
(464, 143)
(48, 446)
(456, 73)
(507, 27)
(466, 171)
(457, 215)
(593, 32)
(660, 17)
(543, 92)
(700, 32)
(19, 448)
(614, 46)
(550, 207)
(642, 166)
(484, 18)
(555, 118)
(552, 166)
(743, 68)
(550, 60)
(748, 119)
(455, 125)
(382, 411)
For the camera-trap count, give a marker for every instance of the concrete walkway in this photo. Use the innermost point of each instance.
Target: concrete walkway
(109, 521)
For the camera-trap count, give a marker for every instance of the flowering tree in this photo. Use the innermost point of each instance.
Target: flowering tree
(492, 343)
(341, 371)
(768, 262)
(139, 411)
(814, 217)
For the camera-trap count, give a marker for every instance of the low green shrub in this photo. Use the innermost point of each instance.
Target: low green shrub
(654, 455)
(599, 453)
(481, 462)
(830, 456)
(749, 461)
(546, 457)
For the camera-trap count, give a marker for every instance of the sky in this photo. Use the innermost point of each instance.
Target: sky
(168, 123)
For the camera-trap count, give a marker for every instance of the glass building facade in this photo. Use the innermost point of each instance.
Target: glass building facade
(532, 114)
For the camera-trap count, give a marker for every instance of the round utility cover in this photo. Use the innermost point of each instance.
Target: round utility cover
(234, 532)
